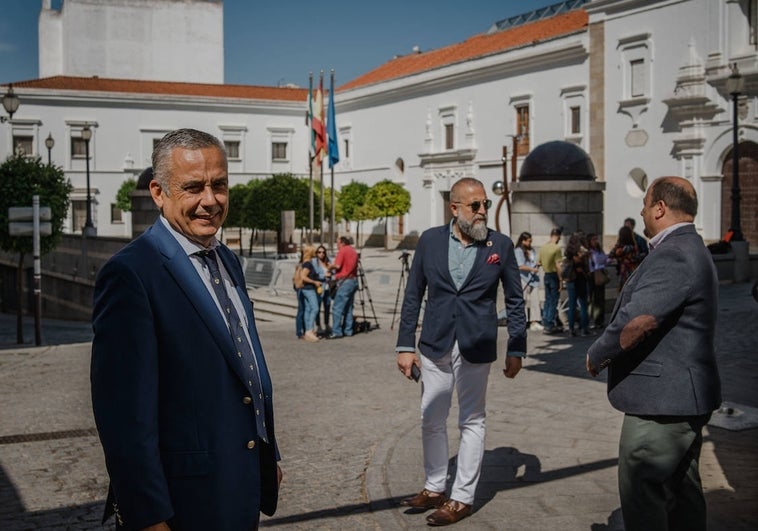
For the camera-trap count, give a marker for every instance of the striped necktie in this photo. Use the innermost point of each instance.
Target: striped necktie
(244, 349)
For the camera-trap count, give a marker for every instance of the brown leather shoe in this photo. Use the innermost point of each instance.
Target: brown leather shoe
(451, 512)
(425, 500)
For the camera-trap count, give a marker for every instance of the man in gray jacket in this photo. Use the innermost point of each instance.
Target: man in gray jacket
(659, 351)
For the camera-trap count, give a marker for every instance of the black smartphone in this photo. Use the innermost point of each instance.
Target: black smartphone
(415, 372)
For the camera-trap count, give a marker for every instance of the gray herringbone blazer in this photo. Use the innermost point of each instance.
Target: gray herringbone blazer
(659, 346)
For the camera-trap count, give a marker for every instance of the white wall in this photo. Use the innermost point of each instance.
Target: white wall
(683, 37)
(160, 40)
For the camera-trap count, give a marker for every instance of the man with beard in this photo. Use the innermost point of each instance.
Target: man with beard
(459, 266)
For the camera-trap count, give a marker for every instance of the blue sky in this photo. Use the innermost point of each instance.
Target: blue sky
(268, 42)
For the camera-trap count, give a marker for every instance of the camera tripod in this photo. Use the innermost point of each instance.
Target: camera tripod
(364, 325)
(404, 269)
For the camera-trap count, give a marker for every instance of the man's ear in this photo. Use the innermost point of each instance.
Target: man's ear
(660, 209)
(157, 193)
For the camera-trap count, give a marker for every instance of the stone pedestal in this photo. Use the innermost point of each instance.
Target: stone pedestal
(538, 206)
(144, 211)
(286, 234)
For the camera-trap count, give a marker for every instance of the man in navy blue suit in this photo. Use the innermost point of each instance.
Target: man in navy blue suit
(180, 390)
(460, 267)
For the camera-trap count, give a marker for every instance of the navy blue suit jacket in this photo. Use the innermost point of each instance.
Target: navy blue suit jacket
(169, 398)
(468, 314)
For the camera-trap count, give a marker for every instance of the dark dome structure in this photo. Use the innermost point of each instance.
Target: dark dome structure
(557, 161)
(143, 182)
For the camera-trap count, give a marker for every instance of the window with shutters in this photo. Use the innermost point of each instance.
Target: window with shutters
(279, 151)
(637, 78)
(635, 55)
(232, 148)
(522, 130)
(23, 145)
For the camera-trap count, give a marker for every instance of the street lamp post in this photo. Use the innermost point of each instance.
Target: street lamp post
(10, 104)
(735, 85)
(49, 143)
(89, 228)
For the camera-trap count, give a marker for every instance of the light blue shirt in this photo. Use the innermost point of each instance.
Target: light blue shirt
(460, 258)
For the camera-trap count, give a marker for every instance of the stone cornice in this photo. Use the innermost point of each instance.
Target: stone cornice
(146, 101)
(446, 157)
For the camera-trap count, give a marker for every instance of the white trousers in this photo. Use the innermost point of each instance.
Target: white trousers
(470, 382)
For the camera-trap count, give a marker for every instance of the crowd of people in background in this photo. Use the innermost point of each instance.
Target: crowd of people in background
(323, 287)
(581, 270)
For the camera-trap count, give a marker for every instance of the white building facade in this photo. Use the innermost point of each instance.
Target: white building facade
(261, 127)
(158, 40)
(638, 84)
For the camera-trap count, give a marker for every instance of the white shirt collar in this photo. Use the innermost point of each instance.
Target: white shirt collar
(187, 245)
(656, 240)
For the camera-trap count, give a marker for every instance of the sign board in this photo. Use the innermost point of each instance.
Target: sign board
(27, 214)
(26, 228)
(21, 221)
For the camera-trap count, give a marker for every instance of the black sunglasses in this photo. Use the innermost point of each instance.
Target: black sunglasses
(476, 205)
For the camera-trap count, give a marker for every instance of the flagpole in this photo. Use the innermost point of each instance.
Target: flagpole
(311, 157)
(321, 210)
(331, 167)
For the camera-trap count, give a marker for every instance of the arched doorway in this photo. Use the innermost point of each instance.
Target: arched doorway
(748, 168)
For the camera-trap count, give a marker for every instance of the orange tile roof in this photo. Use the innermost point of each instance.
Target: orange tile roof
(477, 46)
(99, 84)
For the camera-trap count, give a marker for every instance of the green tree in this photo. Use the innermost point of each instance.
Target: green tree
(20, 179)
(352, 202)
(237, 216)
(123, 201)
(269, 197)
(352, 197)
(390, 199)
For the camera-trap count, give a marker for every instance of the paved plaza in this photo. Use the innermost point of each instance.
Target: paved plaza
(348, 426)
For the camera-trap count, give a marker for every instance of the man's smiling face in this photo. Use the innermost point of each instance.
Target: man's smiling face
(197, 199)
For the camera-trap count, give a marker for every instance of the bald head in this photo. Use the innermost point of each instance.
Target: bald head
(461, 186)
(669, 200)
(678, 194)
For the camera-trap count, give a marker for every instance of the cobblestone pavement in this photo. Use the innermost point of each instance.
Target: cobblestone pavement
(348, 428)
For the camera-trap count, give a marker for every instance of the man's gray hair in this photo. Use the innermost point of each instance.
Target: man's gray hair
(183, 139)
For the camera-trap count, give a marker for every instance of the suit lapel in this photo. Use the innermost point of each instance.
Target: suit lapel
(441, 255)
(179, 266)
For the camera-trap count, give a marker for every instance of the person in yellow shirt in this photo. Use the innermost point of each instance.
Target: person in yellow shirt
(549, 258)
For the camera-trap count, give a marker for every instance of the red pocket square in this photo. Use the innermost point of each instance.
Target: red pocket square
(493, 259)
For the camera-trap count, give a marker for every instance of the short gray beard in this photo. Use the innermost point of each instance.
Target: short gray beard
(475, 231)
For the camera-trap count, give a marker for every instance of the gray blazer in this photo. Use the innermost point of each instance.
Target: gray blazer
(659, 345)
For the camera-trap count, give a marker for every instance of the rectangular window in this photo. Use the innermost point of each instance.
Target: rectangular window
(23, 144)
(279, 151)
(575, 117)
(638, 81)
(346, 150)
(117, 215)
(449, 136)
(522, 130)
(753, 18)
(78, 214)
(232, 148)
(78, 147)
